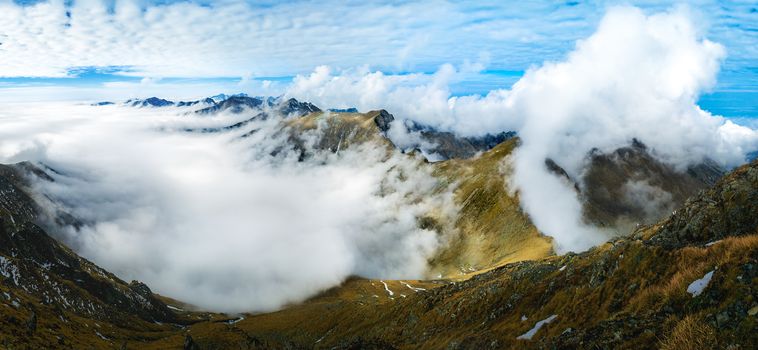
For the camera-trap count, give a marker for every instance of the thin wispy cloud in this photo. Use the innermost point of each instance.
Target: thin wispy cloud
(242, 39)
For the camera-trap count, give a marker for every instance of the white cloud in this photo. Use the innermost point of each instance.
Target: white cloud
(637, 76)
(217, 221)
(425, 98)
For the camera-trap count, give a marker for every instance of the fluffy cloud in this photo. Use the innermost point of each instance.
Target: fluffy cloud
(424, 98)
(637, 76)
(216, 220)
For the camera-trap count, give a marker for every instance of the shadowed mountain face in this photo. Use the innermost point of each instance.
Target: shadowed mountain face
(629, 187)
(44, 284)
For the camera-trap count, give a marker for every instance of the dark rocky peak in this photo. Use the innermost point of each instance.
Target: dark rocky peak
(293, 107)
(221, 97)
(637, 144)
(103, 103)
(207, 101)
(344, 110)
(383, 120)
(150, 102)
(234, 104)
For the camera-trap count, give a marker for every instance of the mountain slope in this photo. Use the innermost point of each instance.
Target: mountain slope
(490, 228)
(499, 277)
(629, 293)
(629, 187)
(51, 296)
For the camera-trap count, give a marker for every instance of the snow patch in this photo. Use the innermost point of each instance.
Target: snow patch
(528, 335)
(387, 288)
(9, 270)
(174, 308)
(696, 288)
(234, 321)
(415, 289)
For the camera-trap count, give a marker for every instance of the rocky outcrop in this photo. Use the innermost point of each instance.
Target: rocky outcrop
(240, 103)
(383, 120)
(715, 213)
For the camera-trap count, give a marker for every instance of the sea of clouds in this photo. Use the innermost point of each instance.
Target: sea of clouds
(216, 220)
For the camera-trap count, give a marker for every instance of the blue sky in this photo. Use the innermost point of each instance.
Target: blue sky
(72, 48)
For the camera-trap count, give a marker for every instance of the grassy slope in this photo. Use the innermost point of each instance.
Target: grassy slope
(492, 228)
(629, 293)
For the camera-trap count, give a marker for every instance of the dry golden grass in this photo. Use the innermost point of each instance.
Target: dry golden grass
(691, 333)
(492, 228)
(690, 264)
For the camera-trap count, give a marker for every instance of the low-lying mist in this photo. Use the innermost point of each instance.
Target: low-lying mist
(217, 220)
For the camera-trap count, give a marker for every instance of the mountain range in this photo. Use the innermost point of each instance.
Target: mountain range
(679, 270)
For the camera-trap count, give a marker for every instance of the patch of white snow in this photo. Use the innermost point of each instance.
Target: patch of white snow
(528, 335)
(697, 287)
(415, 289)
(387, 288)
